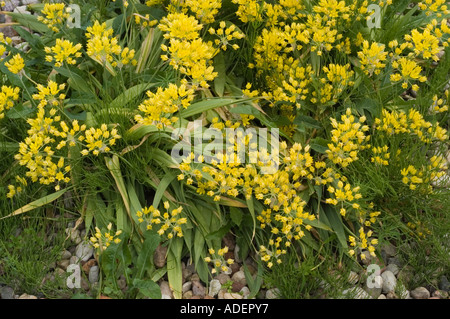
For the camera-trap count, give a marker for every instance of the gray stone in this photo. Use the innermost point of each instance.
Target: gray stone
(187, 294)
(63, 264)
(11, 4)
(214, 287)
(166, 292)
(187, 286)
(27, 296)
(391, 295)
(21, 10)
(159, 258)
(245, 292)
(420, 293)
(93, 274)
(388, 250)
(393, 268)
(232, 295)
(389, 281)
(84, 251)
(6, 292)
(223, 278)
(221, 294)
(394, 260)
(239, 276)
(368, 258)
(381, 296)
(27, 2)
(373, 292)
(444, 284)
(198, 289)
(273, 293)
(66, 254)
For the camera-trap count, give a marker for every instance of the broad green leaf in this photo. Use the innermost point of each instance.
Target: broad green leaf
(337, 225)
(75, 80)
(8, 146)
(37, 203)
(148, 288)
(202, 106)
(145, 258)
(114, 167)
(220, 79)
(174, 271)
(161, 189)
(29, 21)
(307, 121)
(236, 215)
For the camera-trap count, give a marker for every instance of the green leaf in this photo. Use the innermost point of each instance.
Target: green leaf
(174, 271)
(220, 79)
(29, 21)
(148, 288)
(236, 215)
(319, 145)
(202, 106)
(145, 257)
(75, 80)
(37, 203)
(307, 121)
(9, 146)
(165, 182)
(337, 225)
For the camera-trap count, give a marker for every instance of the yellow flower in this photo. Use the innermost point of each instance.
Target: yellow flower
(15, 64)
(63, 51)
(54, 15)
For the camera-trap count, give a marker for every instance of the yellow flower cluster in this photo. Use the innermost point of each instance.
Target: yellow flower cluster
(168, 223)
(15, 64)
(409, 72)
(364, 241)
(42, 151)
(99, 140)
(413, 123)
(419, 228)
(413, 177)
(226, 35)
(63, 51)
(102, 241)
(381, 155)
(348, 138)
(3, 41)
(187, 52)
(8, 95)
(438, 6)
(204, 10)
(55, 15)
(440, 105)
(159, 108)
(218, 260)
(103, 48)
(49, 95)
(372, 58)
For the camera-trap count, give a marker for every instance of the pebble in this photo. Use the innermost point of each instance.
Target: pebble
(166, 292)
(391, 295)
(389, 281)
(21, 10)
(187, 294)
(394, 260)
(159, 258)
(245, 292)
(198, 289)
(26, 296)
(237, 259)
(87, 266)
(232, 295)
(223, 278)
(66, 254)
(239, 276)
(420, 293)
(381, 297)
(214, 287)
(444, 284)
(186, 286)
(93, 274)
(393, 268)
(84, 251)
(6, 293)
(63, 264)
(11, 4)
(273, 293)
(237, 286)
(440, 293)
